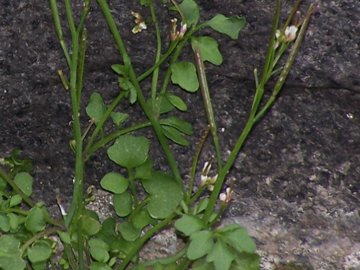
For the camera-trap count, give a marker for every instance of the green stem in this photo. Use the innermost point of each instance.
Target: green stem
(101, 123)
(93, 147)
(207, 104)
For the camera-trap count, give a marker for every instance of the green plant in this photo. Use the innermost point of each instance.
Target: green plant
(145, 199)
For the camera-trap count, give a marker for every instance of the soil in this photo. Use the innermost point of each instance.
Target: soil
(297, 179)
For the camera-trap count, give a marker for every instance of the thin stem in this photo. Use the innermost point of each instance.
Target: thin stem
(207, 104)
(58, 30)
(155, 77)
(92, 148)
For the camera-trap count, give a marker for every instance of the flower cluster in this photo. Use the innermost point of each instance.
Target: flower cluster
(140, 23)
(206, 180)
(177, 34)
(226, 196)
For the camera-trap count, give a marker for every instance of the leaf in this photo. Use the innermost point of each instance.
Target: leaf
(179, 124)
(15, 200)
(119, 118)
(184, 74)
(145, 3)
(189, 224)
(144, 171)
(24, 181)
(35, 221)
(174, 135)
(4, 223)
(177, 102)
(126, 85)
(96, 107)
(10, 254)
(90, 225)
(209, 49)
(129, 151)
(107, 232)
(114, 182)
(120, 69)
(65, 237)
(128, 231)
(123, 204)
(201, 243)
(202, 264)
(201, 206)
(230, 26)
(238, 238)
(165, 195)
(39, 252)
(14, 221)
(190, 11)
(99, 250)
(221, 256)
(141, 219)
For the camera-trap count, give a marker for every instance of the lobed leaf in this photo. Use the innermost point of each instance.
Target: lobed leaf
(184, 74)
(165, 195)
(189, 224)
(209, 49)
(221, 256)
(190, 11)
(200, 245)
(230, 26)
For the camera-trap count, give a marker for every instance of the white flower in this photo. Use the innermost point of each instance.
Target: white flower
(290, 33)
(226, 196)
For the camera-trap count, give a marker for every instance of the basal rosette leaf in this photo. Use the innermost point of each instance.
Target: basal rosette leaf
(184, 74)
(230, 26)
(209, 49)
(190, 11)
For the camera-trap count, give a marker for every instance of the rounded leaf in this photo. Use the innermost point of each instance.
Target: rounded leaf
(184, 74)
(209, 49)
(128, 231)
(189, 224)
(24, 181)
(129, 151)
(99, 250)
(35, 221)
(200, 245)
(114, 182)
(39, 252)
(123, 204)
(230, 26)
(165, 195)
(96, 107)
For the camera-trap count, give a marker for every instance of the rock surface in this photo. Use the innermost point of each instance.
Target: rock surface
(297, 179)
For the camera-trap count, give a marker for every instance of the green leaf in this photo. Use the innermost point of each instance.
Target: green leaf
(99, 266)
(189, 224)
(184, 74)
(179, 124)
(4, 223)
(177, 102)
(201, 206)
(123, 204)
(200, 245)
(202, 264)
(39, 252)
(165, 195)
(128, 231)
(230, 26)
(221, 256)
(238, 238)
(190, 11)
(107, 232)
(15, 200)
(141, 219)
(127, 85)
(246, 261)
(145, 3)
(10, 254)
(65, 237)
(120, 69)
(96, 107)
(114, 182)
(209, 49)
(144, 171)
(24, 181)
(14, 221)
(119, 118)
(129, 151)
(175, 135)
(35, 221)
(99, 250)
(90, 225)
